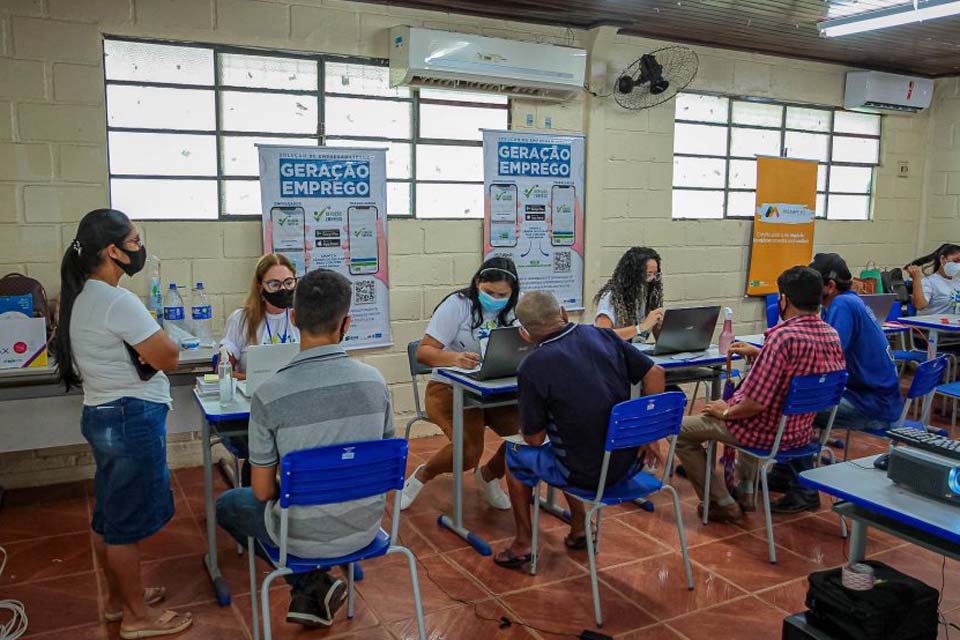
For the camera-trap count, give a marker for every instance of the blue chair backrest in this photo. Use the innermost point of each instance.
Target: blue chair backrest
(928, 377)
(636, 422)
(773, 309)
(896, 312)
(342, 472)
(814, 393)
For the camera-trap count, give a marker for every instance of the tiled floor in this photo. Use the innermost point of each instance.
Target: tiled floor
(738, 594)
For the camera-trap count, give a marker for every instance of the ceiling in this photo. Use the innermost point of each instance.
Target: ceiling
(779, 27)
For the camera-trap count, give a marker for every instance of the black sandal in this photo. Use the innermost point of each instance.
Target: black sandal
(508, 560)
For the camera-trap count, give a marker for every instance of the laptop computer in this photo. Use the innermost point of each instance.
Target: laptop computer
(263, 360)
(880, 304)
(683, 330)
(506, 349)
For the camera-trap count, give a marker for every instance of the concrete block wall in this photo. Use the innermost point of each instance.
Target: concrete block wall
(53, 164)
(942, 211)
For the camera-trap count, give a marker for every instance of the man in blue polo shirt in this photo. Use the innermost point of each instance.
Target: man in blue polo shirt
(872, 399)
(567, 388)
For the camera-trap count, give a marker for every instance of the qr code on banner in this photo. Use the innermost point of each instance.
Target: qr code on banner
(364, 292)
(561, 262)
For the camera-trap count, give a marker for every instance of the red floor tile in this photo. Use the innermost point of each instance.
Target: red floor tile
(789, 598)
(43, 519)
(177, 538)
(744, 561)
(619, 543)
(362, 625)
(661, 525)
(816, 539)
(745, 618)
(482, 621)
(43, 558)
(58, 603)
(656, 632)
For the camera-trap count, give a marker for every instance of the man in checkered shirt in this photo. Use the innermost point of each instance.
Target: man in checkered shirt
(802, 344)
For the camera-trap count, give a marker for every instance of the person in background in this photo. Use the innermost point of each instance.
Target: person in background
(802, 344)
(323, 397)
(456, 337)
(872, 399)
(631, 302)
(265, 316)
(567, 388)
(937, 291)
(110, 343)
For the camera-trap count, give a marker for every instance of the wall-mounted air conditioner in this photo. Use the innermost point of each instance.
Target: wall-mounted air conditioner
(878, 92)
(447, 60)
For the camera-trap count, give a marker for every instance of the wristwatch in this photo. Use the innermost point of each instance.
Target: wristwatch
(725, 413)
(643, 334)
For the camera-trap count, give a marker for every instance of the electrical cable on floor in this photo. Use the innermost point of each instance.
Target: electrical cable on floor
(17, 625)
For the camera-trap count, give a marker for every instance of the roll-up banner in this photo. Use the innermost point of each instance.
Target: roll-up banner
(533, 209)
(326, 208)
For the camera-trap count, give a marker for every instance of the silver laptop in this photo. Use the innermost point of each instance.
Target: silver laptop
(506, 349)
(689, 329)
(880, 304)
(263, 360)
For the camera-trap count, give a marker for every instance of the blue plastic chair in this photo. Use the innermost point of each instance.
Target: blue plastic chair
(331, 475)
(773, 310)
(924, 385)
(951, 390)
(416, 370)
(633, 423)
(806, 395)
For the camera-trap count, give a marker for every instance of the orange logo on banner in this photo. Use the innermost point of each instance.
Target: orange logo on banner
(783, 221)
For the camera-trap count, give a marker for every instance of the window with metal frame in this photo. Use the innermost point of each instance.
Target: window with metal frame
(717, 139)
(183, 122)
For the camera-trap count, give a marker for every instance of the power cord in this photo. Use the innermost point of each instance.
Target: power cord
(16, 626)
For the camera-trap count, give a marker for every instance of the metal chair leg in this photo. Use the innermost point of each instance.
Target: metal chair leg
(535, 534)
(265, 600)
(417, 602)
(594, 581)
(708, 476)
(252, 564)
(766, 513)
(683, 535)
(350, 591)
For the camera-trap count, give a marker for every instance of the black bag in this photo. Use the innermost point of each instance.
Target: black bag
(893, 282)
(897, 608)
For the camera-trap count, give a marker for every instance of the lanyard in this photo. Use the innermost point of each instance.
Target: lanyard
(286, 328)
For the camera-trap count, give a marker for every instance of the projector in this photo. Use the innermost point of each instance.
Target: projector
(926, 473)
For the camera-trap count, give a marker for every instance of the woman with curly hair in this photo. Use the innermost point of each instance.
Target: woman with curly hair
(631, 302)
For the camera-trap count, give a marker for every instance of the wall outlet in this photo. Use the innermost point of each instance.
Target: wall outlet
(548, 122)
(530, 119)
(903, 169)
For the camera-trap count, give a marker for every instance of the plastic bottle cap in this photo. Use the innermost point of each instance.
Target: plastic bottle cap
(173, 285)
(199, 285)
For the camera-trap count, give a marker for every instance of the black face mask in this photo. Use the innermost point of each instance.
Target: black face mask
(343, 330)
(782, 310)
(138, 258)
(282, 299)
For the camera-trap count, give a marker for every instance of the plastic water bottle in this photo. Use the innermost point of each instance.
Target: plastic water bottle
(173, 308)
(201, 314)
(726, 335)
(225, 375)
(155, 301)
(956, 303)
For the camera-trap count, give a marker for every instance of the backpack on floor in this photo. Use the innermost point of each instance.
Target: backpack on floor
(897, 608)
(17, 284)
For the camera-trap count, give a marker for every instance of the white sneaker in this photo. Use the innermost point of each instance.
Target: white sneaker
(492, 491)
(411, 489)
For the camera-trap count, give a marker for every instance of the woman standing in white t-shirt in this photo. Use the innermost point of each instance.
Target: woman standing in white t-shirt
(456, 337)
(109, 341)
(265, 316)
(631, 302)
(937, 292)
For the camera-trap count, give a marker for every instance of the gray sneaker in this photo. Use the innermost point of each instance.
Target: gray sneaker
(317, 607)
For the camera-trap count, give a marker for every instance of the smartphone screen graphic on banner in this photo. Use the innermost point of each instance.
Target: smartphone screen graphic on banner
(562, 199)
(287, 231)
(504, 207)
(364, 248)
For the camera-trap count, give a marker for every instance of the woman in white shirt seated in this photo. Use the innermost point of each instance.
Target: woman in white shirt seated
(456, 337)
(936, 293)
(265, 316)
(631, 302)
(109, 342)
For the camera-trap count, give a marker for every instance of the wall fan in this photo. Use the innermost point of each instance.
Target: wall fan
(656, 77)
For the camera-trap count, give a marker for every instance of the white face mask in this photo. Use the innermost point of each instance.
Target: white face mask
(951, 269)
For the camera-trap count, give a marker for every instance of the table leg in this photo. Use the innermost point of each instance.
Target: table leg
(210, 559)
(858, 540)
(455, 524)
(716, 386)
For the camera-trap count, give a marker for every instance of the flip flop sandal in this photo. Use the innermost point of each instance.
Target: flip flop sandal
(578, 543)
(159, 627)
(508, 560)
(151, 595)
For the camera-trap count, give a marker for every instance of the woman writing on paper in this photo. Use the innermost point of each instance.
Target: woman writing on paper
(109, 341)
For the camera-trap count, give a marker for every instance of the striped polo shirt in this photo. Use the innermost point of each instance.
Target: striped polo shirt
(323, 397)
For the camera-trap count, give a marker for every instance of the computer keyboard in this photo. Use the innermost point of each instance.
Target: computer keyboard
(926, 441)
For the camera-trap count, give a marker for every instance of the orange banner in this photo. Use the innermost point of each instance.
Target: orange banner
(783, 222)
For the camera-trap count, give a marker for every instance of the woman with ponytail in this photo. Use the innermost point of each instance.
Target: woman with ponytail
(935, 293)
(109, 342)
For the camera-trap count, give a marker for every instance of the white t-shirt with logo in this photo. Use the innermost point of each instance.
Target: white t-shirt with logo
(103, 318)
(275, 328)
(939, 292)
(452, 326)
(605, 308)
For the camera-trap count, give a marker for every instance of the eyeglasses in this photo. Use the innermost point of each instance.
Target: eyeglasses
(275, 285)
(137, 241)
(654, 277)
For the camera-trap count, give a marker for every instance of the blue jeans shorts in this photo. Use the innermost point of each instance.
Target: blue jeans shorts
(132, 484)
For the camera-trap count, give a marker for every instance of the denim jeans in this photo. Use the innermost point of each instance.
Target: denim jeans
(851, 418)
(240, 514)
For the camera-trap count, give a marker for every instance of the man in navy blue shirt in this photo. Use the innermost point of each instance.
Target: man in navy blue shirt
(872, 399)
(567, 388)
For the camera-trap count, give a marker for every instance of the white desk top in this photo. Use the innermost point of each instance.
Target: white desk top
(709, 357)
(188, 360)
(859, 483)
(213, 411)
(949, 323)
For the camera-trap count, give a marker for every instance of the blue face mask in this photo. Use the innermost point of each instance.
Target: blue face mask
(491, 304)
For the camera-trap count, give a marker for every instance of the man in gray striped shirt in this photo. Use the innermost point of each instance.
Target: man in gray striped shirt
(322, 397)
